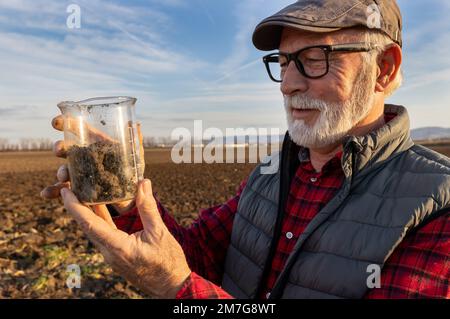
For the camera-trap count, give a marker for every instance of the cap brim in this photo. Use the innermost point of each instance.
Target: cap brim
(267, 35)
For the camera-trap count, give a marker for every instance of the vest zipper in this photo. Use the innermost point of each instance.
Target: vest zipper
(280, 284)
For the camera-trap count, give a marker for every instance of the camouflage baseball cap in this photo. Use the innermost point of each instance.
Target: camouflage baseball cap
(330, 15)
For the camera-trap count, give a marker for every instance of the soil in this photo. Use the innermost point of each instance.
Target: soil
(100, 173)
(39, 239)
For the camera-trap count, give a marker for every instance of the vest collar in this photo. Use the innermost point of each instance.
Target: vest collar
(361, 153)
(379, 145)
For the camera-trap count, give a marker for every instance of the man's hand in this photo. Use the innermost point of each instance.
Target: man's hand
(62, 174)
(151, 259)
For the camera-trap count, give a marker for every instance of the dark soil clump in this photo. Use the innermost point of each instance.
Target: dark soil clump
(101, 173)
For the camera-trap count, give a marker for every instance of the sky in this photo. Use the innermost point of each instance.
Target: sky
(183, 60)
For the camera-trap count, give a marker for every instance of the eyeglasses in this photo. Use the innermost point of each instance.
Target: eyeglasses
(312, 62)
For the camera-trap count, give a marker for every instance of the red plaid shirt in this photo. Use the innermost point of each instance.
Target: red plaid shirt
(418, 268)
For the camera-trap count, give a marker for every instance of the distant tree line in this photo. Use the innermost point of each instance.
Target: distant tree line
(26, 144)
(150, 142)
(45, 144)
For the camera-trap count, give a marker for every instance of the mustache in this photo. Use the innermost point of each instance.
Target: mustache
(303, 102)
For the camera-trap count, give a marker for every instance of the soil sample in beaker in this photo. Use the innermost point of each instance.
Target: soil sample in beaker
(100, 173)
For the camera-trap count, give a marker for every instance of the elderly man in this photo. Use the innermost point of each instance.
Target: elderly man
(352, 193)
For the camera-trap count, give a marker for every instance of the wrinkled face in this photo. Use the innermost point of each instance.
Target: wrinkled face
(321, 112)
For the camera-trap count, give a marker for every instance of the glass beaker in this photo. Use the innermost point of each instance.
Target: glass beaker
(103, 145)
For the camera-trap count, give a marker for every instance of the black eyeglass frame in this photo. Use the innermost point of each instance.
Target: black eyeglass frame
(347, 47)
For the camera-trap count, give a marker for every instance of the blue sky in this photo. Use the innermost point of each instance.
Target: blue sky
(183, 60)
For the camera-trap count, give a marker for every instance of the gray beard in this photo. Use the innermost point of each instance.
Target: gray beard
(335, 119)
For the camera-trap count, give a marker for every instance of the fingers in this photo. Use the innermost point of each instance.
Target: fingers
(147, 207)
(60, 150)
(62, 174)
(77, 125)
(103, 212)
(58, 123)
(141, 146)
(53, 191)
(138, 129)
(97, 229)
(96, 135)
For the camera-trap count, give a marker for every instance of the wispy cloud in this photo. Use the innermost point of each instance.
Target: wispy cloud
(19, 110)
(119, 48)
(247, 15)
(426, 63)
(171, 3)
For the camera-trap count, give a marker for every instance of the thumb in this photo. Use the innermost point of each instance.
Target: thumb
(94, 226)
(146, 205)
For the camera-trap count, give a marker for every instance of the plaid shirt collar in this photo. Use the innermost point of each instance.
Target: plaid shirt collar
(303, 155)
